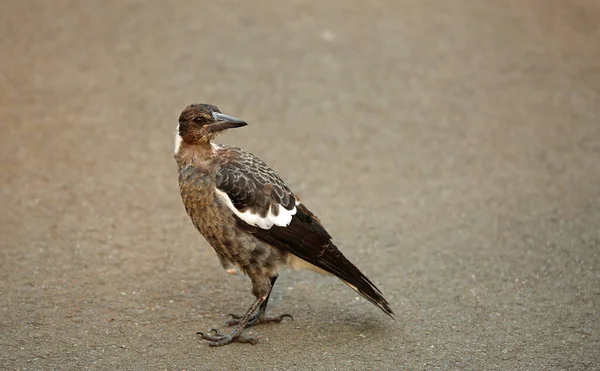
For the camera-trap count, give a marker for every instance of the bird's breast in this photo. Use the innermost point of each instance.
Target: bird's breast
(196, 187)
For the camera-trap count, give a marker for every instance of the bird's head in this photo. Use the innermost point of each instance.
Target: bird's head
(200, 123)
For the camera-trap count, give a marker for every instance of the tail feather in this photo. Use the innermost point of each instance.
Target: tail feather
(333, 261)
(370, 292)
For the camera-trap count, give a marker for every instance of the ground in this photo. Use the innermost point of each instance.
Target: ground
(452, 148)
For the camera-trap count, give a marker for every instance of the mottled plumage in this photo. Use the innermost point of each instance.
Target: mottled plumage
(251, 218)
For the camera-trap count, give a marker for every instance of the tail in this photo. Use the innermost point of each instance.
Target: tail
(333, 261)
(369, 291)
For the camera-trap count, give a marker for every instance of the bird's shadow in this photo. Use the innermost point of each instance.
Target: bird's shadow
(329, 322)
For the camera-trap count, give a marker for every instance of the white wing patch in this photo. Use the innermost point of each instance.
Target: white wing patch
(283, 218)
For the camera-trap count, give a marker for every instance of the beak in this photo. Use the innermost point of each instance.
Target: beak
(224, 122)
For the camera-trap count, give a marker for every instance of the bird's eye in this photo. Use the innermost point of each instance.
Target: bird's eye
(199, 120)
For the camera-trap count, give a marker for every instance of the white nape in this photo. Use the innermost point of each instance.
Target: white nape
(178, 140)
(283, 218)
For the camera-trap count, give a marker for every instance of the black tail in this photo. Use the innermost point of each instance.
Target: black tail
(369, 291)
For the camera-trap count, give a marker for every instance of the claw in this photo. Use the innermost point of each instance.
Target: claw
(286, 316)
(214, 330)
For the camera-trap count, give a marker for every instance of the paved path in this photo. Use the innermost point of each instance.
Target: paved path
(452, 148)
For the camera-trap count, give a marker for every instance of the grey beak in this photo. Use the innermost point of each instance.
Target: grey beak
(224, 122)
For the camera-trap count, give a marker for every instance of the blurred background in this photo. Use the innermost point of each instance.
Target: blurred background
(452, 148)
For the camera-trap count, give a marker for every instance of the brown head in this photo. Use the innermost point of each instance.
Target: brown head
(200, 123)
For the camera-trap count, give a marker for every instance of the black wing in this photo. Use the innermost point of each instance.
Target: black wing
(253, 186)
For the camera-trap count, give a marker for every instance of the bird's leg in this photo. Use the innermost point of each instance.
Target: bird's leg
(259, 316)
(216, 339)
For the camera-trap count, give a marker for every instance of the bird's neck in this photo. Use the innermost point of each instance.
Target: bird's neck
(193, 154)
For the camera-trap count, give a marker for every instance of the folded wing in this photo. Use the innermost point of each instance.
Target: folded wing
(265, 207)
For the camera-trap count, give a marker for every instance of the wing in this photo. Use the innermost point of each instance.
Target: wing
(266, 208)
(253, 191)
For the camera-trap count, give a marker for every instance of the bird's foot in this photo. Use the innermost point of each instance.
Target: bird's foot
(215, 339)
(256, 319)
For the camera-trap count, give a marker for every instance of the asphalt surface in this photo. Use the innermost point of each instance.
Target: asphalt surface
(452, 148)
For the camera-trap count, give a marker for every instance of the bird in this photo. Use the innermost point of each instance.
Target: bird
(252, 219)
